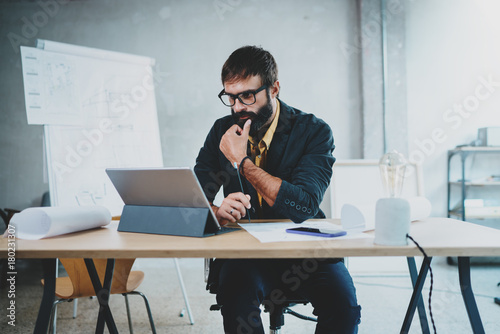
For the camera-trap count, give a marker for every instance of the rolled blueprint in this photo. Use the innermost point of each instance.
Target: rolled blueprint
(420, 208)
(45, 222)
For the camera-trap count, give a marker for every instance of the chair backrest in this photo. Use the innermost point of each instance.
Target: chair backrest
(4, 218)
(7, 215)
(82, 286)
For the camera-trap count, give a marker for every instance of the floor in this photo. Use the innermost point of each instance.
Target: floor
(383, 299)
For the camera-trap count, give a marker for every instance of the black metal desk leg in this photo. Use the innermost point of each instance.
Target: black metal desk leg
(468, 295)
(416, 295)
(412, 267)
(49, 293)
(102, 293)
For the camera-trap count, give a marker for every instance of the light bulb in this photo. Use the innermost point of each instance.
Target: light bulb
(392, 170)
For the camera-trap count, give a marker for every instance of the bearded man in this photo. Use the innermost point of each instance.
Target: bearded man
(284, 160)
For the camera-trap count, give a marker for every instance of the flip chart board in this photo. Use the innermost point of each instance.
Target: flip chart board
(98, 109)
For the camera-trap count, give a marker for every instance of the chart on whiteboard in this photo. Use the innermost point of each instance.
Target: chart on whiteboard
(97, 113)
(51, 91)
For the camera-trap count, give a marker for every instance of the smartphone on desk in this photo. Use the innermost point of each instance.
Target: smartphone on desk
(323, 232)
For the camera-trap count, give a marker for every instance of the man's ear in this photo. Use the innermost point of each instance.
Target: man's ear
(275, 89)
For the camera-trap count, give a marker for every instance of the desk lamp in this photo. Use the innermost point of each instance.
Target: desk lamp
(392, 213)
(392, 167)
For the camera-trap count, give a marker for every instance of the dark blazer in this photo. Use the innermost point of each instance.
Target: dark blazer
(300, 155)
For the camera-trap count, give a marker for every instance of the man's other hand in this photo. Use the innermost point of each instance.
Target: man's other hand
(233, 208)
(233, 143)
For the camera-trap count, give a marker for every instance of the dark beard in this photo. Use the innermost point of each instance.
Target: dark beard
(258, 119)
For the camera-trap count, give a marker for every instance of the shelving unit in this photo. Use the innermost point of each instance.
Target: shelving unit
(464, 184)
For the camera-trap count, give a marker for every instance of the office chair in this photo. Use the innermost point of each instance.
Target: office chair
(78, 284)
(276, 311)
(7, 215)
(4, 218)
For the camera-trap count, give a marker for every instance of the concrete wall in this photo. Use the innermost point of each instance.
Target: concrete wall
(452, 49)
(190, 41)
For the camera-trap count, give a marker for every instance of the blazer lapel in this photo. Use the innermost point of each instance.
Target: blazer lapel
(280, 139)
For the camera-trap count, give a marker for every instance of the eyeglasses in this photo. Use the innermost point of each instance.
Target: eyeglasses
(247, 98)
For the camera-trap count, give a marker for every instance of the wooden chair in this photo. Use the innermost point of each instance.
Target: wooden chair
(78, 284)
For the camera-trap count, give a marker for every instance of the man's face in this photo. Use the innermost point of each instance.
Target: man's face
(260, 112)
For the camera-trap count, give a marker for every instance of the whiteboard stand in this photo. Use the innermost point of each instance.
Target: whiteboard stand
(186, 300)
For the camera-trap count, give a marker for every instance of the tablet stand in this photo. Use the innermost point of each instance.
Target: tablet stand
(182, 221)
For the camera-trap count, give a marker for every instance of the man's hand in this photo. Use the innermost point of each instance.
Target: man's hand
(233, 207)
(233, 143)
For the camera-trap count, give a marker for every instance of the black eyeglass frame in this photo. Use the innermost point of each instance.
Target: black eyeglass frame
(237, 96)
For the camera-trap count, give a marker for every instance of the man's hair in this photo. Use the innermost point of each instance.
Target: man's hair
(248, 61)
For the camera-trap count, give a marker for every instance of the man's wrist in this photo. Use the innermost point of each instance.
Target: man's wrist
(238, 160)
(242, 163)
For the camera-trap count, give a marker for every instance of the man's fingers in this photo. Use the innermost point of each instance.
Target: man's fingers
(233, 144)
(236, 214)
(227, 216)
(234, 128)
(236, 202)
(232, 206)
(246, 127)
(240, 197)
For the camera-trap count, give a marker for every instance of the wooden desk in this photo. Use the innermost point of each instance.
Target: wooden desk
(438, 237)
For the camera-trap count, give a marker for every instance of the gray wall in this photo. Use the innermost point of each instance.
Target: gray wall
(190, 41)
(451, 45)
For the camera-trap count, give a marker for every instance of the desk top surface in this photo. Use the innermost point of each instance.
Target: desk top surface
(438, 237)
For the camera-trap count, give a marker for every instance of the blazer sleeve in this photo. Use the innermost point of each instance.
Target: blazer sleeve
(207, 168)
(299, 198)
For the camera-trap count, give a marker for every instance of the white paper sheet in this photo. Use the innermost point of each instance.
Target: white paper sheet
(51, 88)
(44, 222)
(275, 232)
(67, 84)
